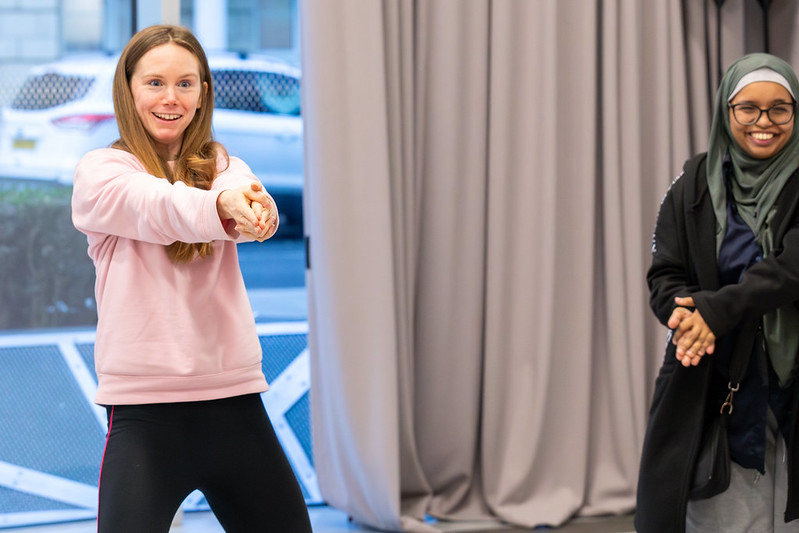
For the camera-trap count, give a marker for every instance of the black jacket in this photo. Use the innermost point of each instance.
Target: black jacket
(684, 264)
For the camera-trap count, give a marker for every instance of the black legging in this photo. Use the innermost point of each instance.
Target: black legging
(157, 454)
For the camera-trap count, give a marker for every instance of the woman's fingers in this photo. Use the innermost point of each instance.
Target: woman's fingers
(693, 338)
(251, 208)
(256, 193)
(677, 316)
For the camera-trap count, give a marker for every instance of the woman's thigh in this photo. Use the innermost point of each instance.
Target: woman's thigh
(248, 482)
(143, 478)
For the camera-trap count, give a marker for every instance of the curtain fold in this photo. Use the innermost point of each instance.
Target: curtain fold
(352, 299)
(482, 182)
(449, 299)
(539, 346)
(399, 23)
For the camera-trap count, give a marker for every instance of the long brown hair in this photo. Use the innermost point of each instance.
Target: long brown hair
(197, 160)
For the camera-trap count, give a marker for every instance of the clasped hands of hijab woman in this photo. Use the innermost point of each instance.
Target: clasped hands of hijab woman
(692, 336)
(251, 209)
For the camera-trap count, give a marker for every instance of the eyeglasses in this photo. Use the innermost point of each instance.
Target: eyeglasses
(748, 114)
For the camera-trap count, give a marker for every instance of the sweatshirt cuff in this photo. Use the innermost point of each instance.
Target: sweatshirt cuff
(217, 228)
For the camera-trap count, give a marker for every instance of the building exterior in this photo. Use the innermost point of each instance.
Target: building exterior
(39, 31)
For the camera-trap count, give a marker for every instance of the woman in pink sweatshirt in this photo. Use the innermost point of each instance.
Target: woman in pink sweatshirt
(177, 356)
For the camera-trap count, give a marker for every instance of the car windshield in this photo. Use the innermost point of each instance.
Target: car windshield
(261, 92)
(49, 90)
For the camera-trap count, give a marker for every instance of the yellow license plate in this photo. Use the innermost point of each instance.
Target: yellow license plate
(24, 144)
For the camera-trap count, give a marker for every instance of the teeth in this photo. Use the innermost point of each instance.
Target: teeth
(167, 117)
(762, 136)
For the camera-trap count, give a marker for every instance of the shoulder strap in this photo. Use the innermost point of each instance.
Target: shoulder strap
(739, 361)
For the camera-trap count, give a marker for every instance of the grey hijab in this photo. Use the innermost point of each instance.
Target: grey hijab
(755, 186)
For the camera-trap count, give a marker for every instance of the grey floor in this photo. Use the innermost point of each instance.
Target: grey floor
(328, 520)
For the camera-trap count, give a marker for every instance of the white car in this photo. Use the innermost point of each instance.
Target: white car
(64, 109)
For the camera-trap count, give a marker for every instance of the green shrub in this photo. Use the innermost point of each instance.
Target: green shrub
(47, 277)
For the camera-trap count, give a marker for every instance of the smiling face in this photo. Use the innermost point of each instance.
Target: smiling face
(763, 139)
(167, 91)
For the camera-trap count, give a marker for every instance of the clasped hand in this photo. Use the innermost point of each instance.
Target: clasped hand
(692, 335)
(253, 211)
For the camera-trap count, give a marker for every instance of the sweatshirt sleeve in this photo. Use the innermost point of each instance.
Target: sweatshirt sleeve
(234, 174)
(113, 195)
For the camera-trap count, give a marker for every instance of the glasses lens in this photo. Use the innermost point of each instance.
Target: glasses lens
(780, 114)
(746, 114)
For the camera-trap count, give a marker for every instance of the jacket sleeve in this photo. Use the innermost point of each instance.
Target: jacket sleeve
(113, 195)
(670, 273)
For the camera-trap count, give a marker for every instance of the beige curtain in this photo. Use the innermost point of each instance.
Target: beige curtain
(482, 181)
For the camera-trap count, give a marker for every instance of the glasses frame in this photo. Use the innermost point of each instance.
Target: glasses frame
(761, 111)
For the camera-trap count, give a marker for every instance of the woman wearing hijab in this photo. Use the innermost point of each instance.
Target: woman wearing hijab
(725, 280)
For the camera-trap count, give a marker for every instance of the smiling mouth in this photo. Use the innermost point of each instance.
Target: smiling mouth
(164, 116)
(762, 136)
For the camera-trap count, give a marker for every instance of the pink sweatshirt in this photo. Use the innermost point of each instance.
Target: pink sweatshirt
(166, 332)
